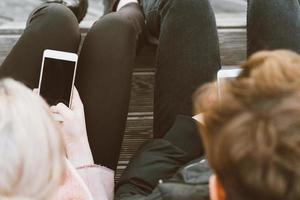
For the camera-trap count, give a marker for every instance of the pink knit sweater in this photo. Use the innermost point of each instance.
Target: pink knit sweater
(90, 183)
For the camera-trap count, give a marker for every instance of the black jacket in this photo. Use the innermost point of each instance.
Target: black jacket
(168, 168)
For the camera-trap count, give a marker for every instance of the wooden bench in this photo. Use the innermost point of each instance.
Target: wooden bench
(232, 38)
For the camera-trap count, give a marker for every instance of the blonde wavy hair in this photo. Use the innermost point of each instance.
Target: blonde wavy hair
(31, 146)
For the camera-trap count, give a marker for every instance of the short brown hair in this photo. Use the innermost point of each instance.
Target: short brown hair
(252, 135)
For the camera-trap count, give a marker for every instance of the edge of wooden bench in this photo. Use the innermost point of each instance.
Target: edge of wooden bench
(223, 21)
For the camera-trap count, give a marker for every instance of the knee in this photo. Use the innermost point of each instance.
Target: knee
(273, 5)
(115, 24)
(190, 8)
(191, 5)
(61, 12)
(62, 16)
(56, 17)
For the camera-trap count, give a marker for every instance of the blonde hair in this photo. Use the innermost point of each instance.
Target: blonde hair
(31, 146)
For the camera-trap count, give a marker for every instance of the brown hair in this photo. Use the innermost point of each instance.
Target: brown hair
(252, 135)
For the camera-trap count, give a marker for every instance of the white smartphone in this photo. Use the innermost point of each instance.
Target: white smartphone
(226, 74)
(57, 77)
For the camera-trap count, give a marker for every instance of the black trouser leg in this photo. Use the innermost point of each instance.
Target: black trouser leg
(104, 80)
(52, 26)
(187, 57)
(273, 24)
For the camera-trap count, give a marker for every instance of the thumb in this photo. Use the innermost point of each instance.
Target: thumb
(62, 110)
(35, 90)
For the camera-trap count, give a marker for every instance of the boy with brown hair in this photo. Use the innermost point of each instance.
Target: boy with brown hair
(252, 134)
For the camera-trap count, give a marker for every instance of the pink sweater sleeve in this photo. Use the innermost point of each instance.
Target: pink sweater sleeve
(99, 180)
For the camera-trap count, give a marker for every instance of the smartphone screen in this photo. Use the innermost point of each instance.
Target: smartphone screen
(57, 81)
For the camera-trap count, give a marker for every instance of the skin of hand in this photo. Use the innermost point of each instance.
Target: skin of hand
(74, 131)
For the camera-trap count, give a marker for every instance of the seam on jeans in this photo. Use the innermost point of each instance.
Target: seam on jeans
(247, 27)
(151, 11)
(213, 23)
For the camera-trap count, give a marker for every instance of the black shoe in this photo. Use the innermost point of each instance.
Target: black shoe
(79, 7)
(110, 6)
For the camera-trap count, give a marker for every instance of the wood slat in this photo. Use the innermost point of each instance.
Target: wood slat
(138, 130)
(141, 100)
(6, 44)
(232, 46)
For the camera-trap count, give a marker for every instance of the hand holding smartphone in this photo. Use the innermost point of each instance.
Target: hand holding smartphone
(57, 77)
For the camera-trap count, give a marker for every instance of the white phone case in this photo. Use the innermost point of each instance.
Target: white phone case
(59, 55)
(226, 73)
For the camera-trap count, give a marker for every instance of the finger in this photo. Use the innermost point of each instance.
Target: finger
(63, 110)
(36, 91)
(76, 100)
(57, 117)
(54, 109)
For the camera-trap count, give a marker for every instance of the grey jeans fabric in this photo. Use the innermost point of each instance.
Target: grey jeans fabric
(187, 55)
(273, 24)
(104, 67)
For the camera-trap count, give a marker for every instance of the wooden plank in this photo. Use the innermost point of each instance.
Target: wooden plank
(232, 47)
(223, 21)
(6, 44)
(142, 92)
(231, 20)
(138, 130)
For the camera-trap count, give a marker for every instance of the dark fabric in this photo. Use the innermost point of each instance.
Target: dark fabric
(191, 182)
(160, 159)
(104, 67)
(163, 155)
(184, 134)
(273, 24)
(187, 55)
(46, 30)
(104, 80)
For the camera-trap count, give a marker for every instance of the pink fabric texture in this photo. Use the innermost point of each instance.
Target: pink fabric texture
(90, 183)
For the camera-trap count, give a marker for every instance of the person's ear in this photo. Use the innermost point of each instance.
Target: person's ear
(216, 189)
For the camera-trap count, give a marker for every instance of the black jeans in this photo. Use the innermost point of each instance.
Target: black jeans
(187, 56)
(104, 67)
(273, 24)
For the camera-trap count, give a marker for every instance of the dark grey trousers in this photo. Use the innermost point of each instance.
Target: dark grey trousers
(104, 67)
(187, 56)
(273, 24)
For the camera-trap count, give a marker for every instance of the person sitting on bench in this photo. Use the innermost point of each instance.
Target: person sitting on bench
(174, 166)
(106, 61)
(107, 58)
